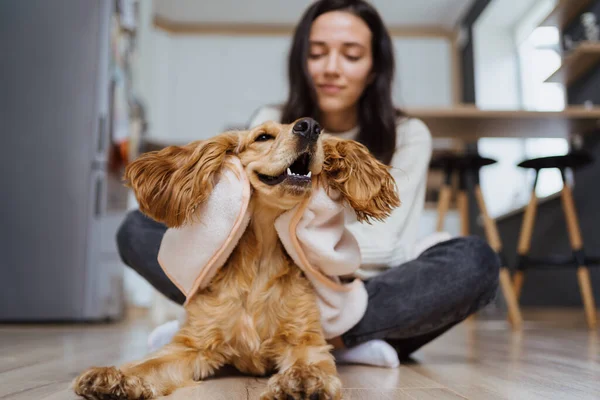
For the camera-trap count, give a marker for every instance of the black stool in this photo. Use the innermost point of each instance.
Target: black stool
(578, 259)
(466, 165)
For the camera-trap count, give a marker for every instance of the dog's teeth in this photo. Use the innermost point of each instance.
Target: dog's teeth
(289, 172)
(309, 174)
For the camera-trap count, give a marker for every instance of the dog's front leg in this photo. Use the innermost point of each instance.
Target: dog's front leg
(173, 366)
(306, 371)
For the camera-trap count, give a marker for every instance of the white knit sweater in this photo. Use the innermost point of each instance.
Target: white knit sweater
(390, 243)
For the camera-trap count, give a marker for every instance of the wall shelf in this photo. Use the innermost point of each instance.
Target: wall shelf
(577, 63)
(565, 12)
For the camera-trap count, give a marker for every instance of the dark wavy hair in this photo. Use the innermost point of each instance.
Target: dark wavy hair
(376, 112)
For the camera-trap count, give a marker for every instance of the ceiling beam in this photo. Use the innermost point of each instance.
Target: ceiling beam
(257, 29)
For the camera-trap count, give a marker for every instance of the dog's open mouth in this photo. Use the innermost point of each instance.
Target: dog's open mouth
(297, 173)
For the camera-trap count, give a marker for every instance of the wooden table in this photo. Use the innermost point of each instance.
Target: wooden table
(470, 123)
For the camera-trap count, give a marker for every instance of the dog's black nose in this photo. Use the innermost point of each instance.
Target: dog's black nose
(307, 128)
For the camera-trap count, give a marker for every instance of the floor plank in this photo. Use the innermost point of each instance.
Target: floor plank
(554, 357)
(379, 394)
(222, 389)
(477, 392)
(433, 394)
(364, 377)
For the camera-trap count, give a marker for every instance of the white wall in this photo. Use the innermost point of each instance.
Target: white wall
(497, 83)
(205, 84)
(423, 72)
(218, 82)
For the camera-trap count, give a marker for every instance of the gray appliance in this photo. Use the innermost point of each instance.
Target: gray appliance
(58, 260)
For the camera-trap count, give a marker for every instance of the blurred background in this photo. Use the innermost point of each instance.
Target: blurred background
(86, 86)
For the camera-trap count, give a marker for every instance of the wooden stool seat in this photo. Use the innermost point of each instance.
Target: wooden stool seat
(460, 161)
(578, 258)
(468, 165)
(572, 160)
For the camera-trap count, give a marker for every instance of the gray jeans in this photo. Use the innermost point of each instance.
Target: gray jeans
(409, 305)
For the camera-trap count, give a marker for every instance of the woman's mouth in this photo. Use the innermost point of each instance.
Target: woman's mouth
(330, 89)
(297, 173)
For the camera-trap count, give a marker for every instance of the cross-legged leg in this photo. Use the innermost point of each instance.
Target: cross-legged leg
(138, 241)
(414, 303)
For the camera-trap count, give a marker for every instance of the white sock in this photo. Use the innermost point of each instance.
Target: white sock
(374, 352)
(162, 335)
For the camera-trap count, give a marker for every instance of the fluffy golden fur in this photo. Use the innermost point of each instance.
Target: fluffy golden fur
(259, 312)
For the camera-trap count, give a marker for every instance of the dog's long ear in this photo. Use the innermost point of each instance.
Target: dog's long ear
(363, 181)
(169, 184)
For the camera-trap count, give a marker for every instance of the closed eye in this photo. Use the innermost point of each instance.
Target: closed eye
(263, 137)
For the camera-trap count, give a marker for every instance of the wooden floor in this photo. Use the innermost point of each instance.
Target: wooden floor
(554, 357)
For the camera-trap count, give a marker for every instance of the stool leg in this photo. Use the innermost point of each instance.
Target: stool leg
(489, 225)
(583, 276)
(443, 206)
(525, 239)
(493, 238)
(462, 203)
(518, 283)
(577, 246)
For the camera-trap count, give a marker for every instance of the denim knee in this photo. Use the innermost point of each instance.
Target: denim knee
(131, 229)
(124, 235)
(481, 264)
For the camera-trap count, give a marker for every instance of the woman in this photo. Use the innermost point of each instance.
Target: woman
(341, 68)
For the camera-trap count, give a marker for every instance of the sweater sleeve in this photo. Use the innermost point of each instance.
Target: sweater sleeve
(389, 243)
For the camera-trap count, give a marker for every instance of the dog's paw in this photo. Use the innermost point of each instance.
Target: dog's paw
(108, 383)
(303, 382)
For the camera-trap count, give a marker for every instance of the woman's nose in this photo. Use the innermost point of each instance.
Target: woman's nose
(332, 66)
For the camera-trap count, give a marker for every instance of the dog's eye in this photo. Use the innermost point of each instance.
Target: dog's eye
(263, 137)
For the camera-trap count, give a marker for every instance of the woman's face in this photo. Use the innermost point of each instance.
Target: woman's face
(339, 59)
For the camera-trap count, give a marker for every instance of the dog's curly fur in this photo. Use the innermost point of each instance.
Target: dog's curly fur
(363, 180)
(259, 312)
